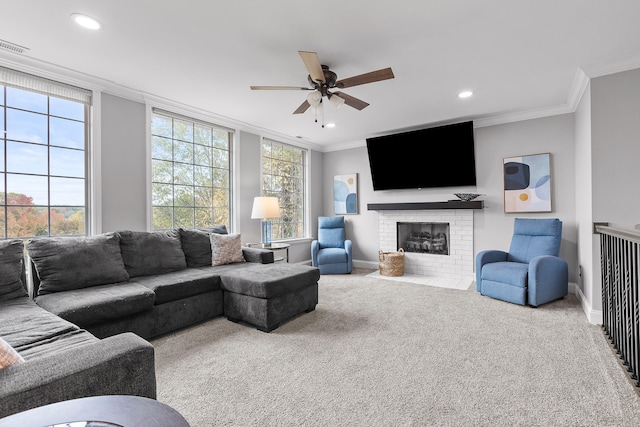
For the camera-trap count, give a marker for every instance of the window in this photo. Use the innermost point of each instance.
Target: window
(283, 172)
(190, 182)
(43, 156)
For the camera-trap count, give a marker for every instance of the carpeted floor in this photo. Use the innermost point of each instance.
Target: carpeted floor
(385, 353)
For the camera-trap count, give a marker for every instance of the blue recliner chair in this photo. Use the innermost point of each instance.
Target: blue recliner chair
(531, 272)
(331, 252)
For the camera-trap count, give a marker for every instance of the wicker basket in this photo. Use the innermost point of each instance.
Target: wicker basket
(391, 263)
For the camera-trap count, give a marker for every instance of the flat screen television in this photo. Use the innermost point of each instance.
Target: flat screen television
(441, 156)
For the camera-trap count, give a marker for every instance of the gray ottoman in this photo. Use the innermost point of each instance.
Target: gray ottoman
(266, 295)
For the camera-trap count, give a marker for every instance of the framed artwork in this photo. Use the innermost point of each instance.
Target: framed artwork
(345, 194)
(527, 183)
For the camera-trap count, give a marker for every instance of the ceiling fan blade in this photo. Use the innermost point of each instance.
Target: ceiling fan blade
(356, 103)
(302, 108)
(373, 76)
(279, 88)
(312, 62)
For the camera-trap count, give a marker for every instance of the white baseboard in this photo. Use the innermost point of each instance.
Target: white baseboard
(594, 316)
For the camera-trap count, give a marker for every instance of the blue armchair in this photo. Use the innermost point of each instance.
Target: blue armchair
(531, 272)
(331, 252)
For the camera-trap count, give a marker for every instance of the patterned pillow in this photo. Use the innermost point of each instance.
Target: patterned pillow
(225, 248)
(8, 356)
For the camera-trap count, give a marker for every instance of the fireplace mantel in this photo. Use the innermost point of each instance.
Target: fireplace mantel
(451, 204)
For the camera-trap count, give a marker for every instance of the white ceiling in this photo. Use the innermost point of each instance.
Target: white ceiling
(520, 57)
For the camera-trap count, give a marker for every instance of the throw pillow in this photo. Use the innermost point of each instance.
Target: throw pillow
(225, 248)
(11, 254)
(197, 245)
(147, 253)
(8, 355)
(67, 263)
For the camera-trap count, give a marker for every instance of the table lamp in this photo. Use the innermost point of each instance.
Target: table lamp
(263, 208)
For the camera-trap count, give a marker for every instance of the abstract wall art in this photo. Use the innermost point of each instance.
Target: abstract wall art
(345, 194)
(527, 183)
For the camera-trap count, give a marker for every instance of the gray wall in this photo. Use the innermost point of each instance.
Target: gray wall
(615, 137)
(124, 164)
(124, 175)
(493, 228)
(615, 151)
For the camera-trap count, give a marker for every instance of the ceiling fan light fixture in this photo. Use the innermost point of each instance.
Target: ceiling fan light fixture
(336, 101)
(314, 98)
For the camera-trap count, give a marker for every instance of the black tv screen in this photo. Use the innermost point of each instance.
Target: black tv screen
(442, 156)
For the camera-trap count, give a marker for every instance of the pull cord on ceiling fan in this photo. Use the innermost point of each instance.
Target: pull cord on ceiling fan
(321, 80)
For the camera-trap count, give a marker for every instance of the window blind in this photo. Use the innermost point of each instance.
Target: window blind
(20, 80)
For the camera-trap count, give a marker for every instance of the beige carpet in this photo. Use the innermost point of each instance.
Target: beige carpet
(386, 353)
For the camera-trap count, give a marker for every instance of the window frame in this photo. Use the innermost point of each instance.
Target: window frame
(194, 119)
(277, 223)
(56, 88)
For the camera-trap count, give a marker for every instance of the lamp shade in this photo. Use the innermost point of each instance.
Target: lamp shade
(265, 207)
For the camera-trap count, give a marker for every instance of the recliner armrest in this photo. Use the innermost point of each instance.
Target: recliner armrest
(548, 279)
(487, 257)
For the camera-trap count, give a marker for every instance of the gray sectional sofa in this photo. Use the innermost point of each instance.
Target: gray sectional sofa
(94, 300)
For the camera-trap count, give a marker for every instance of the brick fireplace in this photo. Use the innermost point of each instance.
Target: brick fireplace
(458, 264)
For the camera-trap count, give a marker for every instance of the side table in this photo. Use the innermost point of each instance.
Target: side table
(114, 410)
(273, 247)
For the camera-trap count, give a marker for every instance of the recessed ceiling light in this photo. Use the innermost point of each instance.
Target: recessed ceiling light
(465, 94)
(330, 125)
(85, 21)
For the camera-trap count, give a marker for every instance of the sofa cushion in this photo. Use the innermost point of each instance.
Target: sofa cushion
(148, 253)
(11, 256)
(180, 284)
(8, 356)
(88, 306)
(267, 280)
(24, 323)
(513, 273)
(225, 248)
(66, 263)
(196, 244)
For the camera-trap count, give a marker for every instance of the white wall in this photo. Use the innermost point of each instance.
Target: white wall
(493, 228)
(584, 200)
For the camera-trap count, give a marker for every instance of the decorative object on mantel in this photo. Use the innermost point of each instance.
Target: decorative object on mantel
(527, 183)
(467, 197)
(391, 263)
(345, 194)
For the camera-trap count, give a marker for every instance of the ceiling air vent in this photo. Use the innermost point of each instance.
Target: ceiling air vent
(12, 47)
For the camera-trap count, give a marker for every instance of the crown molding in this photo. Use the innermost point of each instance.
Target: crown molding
(627, 63)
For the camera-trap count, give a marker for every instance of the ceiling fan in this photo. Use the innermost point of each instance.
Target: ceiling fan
(322, 80)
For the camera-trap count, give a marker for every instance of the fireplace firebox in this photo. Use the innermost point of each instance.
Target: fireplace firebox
(423, 237)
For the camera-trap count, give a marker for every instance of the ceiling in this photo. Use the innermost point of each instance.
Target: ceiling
(520, 58)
